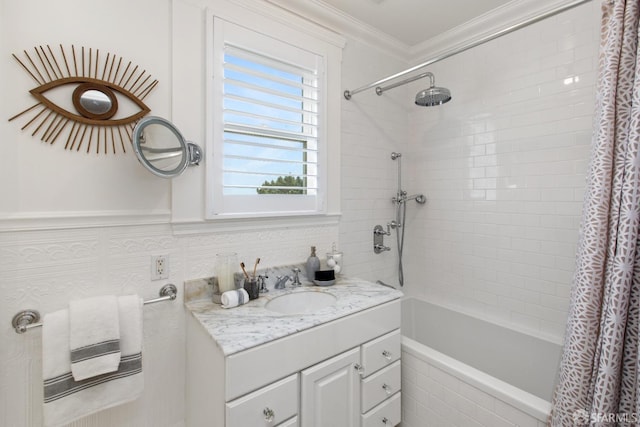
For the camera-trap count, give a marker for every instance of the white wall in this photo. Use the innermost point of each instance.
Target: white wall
(40, 178)
(508, 258)
(503, 165)
(74, 225)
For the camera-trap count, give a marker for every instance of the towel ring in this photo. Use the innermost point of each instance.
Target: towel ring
(27, 319)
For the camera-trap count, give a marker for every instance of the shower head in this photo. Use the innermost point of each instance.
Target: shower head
(425, 98)
(433, 96)
(395, 155)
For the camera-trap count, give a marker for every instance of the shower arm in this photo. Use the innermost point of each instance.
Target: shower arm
(466, 46)
(348, 93)
(380, 89)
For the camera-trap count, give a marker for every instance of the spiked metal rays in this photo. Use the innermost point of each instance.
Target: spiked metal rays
(89, 74)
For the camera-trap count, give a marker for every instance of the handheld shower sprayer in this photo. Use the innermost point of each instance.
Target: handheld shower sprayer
(397, 224)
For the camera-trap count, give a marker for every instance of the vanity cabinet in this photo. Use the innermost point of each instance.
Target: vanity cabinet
(342, 373)
(352, 389)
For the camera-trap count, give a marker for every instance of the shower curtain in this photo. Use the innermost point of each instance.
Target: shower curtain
(599, 378)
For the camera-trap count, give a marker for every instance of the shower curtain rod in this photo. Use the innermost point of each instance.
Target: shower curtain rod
(466, 46)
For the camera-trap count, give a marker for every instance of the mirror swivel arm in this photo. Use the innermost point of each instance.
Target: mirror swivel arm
(195, 154)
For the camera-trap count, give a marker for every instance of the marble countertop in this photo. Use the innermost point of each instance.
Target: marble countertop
(249, 325)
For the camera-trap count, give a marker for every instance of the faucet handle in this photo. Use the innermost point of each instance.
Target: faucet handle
(296, 279)
(262, 288)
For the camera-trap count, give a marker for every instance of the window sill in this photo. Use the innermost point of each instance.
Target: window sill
(236, 224)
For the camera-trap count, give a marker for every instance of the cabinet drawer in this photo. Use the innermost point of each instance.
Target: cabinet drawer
(386, 414)
(293, 422)
(378, 387)
(281, 398)
(381, 352)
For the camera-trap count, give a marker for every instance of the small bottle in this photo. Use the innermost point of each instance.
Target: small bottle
(313, 264)
(334, 260)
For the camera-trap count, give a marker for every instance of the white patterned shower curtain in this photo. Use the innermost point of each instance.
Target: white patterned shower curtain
(599, 377)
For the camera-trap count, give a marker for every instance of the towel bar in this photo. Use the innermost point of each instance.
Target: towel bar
(28, 319)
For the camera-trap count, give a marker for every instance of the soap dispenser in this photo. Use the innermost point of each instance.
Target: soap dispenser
(313, 264)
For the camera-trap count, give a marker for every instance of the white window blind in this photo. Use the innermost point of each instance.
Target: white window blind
(267, 125)
(270, 114)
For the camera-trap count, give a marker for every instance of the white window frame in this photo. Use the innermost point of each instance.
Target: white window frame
(220, 31)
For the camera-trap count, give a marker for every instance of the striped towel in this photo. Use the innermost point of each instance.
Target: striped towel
(94, 336)
(66, 399)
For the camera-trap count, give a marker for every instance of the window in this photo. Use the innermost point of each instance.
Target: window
(267, 139)
(270, 126)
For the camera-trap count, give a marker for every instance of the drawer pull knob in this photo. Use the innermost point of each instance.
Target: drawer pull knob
(387, 354)
(387, 388)
(269, 415)
(359, 369)
(385, 421)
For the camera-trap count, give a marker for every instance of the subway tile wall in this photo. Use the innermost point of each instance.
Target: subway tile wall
(372, 127)
(503, 166)
(432, 397)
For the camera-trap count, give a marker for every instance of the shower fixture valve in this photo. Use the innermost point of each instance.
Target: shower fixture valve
(378, 230)
(380, 248)
(378, 239)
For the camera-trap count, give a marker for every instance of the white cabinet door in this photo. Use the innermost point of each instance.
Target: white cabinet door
(330, 392)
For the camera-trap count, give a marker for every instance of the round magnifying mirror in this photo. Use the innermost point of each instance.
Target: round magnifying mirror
(160, 147)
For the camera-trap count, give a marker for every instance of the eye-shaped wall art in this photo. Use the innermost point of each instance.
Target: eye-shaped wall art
(91, 102)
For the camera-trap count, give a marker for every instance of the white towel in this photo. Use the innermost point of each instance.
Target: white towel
(94, 336)
(65, 399)
(234, 298)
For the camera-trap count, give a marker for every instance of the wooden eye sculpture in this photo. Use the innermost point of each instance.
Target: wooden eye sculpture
(100, 114)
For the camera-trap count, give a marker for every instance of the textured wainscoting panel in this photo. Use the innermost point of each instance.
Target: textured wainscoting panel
(43, 270)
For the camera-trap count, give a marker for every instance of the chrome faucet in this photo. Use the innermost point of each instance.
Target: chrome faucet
(281, 281)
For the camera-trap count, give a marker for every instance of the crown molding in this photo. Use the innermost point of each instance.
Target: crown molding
(323, 14)
(501, 18)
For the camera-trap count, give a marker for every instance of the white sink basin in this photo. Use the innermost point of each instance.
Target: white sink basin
(301, 302)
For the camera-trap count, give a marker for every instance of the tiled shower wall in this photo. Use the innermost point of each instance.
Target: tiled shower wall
(372, 128)
(503, 165)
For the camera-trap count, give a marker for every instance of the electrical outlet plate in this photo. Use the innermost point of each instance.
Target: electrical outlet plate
(159, 267)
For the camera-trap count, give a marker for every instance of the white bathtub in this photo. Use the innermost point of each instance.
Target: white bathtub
(462, 371)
